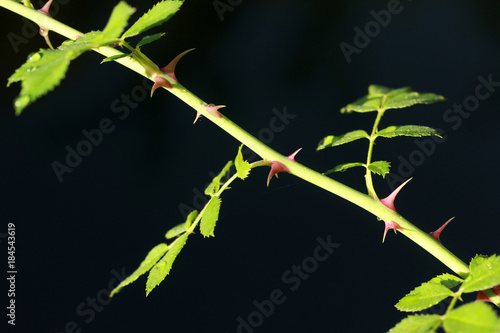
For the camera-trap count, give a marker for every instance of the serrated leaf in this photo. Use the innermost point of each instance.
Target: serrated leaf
(158, 273)
(423, 297)
(332, 140)
(380, 97)
(447, 280)
(149, 39)
(407, 130)
(115, 57)
(180, 228)
(214, 186)
(418, 324)
(380, 167)
(153, 256)
(484, 274)
(343, 167)
(472, 318)
(157, 15)
(210, 217)
(117, 21)
(242, 167)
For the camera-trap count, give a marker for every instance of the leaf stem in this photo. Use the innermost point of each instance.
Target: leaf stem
(362, 200)
(373, 136)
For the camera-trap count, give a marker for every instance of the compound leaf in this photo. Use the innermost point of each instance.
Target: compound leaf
(332, 140)
(407, 130)
(158, 273)
(418, 324)
(472, 318)
(210, 217)
(423, 297)
(153, 256)
(242, 167)
(343, 167)
(484, 274)
(160, 13)
(380, 168)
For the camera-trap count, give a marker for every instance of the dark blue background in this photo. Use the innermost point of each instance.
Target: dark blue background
(118, 203)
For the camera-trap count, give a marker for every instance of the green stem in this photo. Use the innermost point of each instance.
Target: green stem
(362, 200)
(373, 136)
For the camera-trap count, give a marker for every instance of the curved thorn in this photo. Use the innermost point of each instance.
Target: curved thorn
(160, 82)
(291, 157)
(170, 68)
(276, 167)
(437, 233)
(213, 110)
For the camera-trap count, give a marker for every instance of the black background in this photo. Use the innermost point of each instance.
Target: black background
(117, 204)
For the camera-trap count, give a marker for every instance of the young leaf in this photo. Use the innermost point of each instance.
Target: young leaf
(153, 256)
(115, 57)
(332, 140)
(484, 274)
(406, 99)
(158, 273)
(160, 13)
(117, 21)
(180, 228)
(242, 167)
(407, 130)
(210, 217)
(447, 280)
(149, 39)
(418, 324)
(214, 186)
(380, 167)
(472, 318)
(343, 167)
(423, 297)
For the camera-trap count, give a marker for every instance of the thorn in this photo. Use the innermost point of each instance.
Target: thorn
(160, 82)
(482, 297)
(389, 203)
(276, 167)
(213, 109)
(437, 233)
(198, 114)
(292, 156)
(44, 32)
(170, 68)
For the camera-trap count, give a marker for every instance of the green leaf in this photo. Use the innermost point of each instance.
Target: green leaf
(160, 13)
(158, 273)
(383, 98)
(447, 280)
(407, 130)
(180, 228)
(242, 167)
(423, 297)
(343, 167)
(115, 57)
(418, 324)
(117, 21)
(153, 256)
(484, 274)
(380, 167)
(149, 39)
(210, 217)
(332, 140)
(472, 318)
(214, 186)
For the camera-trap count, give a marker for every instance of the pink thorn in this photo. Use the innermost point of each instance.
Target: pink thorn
(213, 109)
(45, 8)
(389, 203)
(160, 82)
(78, 37)
(276, 167)
(292, 156)
(198, 114)
(482, 297)
(437, 233)
(170, 68)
